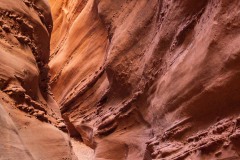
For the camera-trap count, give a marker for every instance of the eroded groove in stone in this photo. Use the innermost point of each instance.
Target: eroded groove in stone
(133, 79)
(169, 72)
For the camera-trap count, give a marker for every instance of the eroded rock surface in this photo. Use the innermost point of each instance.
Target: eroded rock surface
(132, 79)
(139, 79)
(28, 113)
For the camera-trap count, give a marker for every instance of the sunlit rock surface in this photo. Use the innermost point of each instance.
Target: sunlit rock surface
(149, 79)
(132, 79)
(29, 116)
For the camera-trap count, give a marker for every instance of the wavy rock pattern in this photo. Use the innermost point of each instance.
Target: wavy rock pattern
(135, 79)
(132, 79)
(28, 112)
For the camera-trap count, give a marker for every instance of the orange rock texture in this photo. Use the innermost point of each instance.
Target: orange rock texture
(28, 113)
(132, 79)
(139, 79)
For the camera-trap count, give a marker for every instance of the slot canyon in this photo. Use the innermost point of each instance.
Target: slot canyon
(120, 80)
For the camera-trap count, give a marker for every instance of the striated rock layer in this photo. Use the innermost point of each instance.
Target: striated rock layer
(132, 79)
(28, 113)
(139, 79)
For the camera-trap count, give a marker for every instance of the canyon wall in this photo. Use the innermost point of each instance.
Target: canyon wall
(139, 79)
(29, 116)
(132, 79)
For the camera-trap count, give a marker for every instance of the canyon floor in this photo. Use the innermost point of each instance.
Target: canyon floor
(82, 151)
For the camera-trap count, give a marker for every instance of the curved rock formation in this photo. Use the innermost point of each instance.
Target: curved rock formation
(132, 79)
(149, 80)
(27, 108)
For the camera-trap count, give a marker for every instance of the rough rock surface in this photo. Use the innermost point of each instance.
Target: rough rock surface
(28, 113)
(140, 79)
(132, 79)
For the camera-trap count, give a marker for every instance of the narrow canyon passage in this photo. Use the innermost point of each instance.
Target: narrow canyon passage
(119, 79)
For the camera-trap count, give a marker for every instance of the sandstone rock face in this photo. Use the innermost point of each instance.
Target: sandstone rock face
(27, 108)
(139, 79)
(132, 79)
